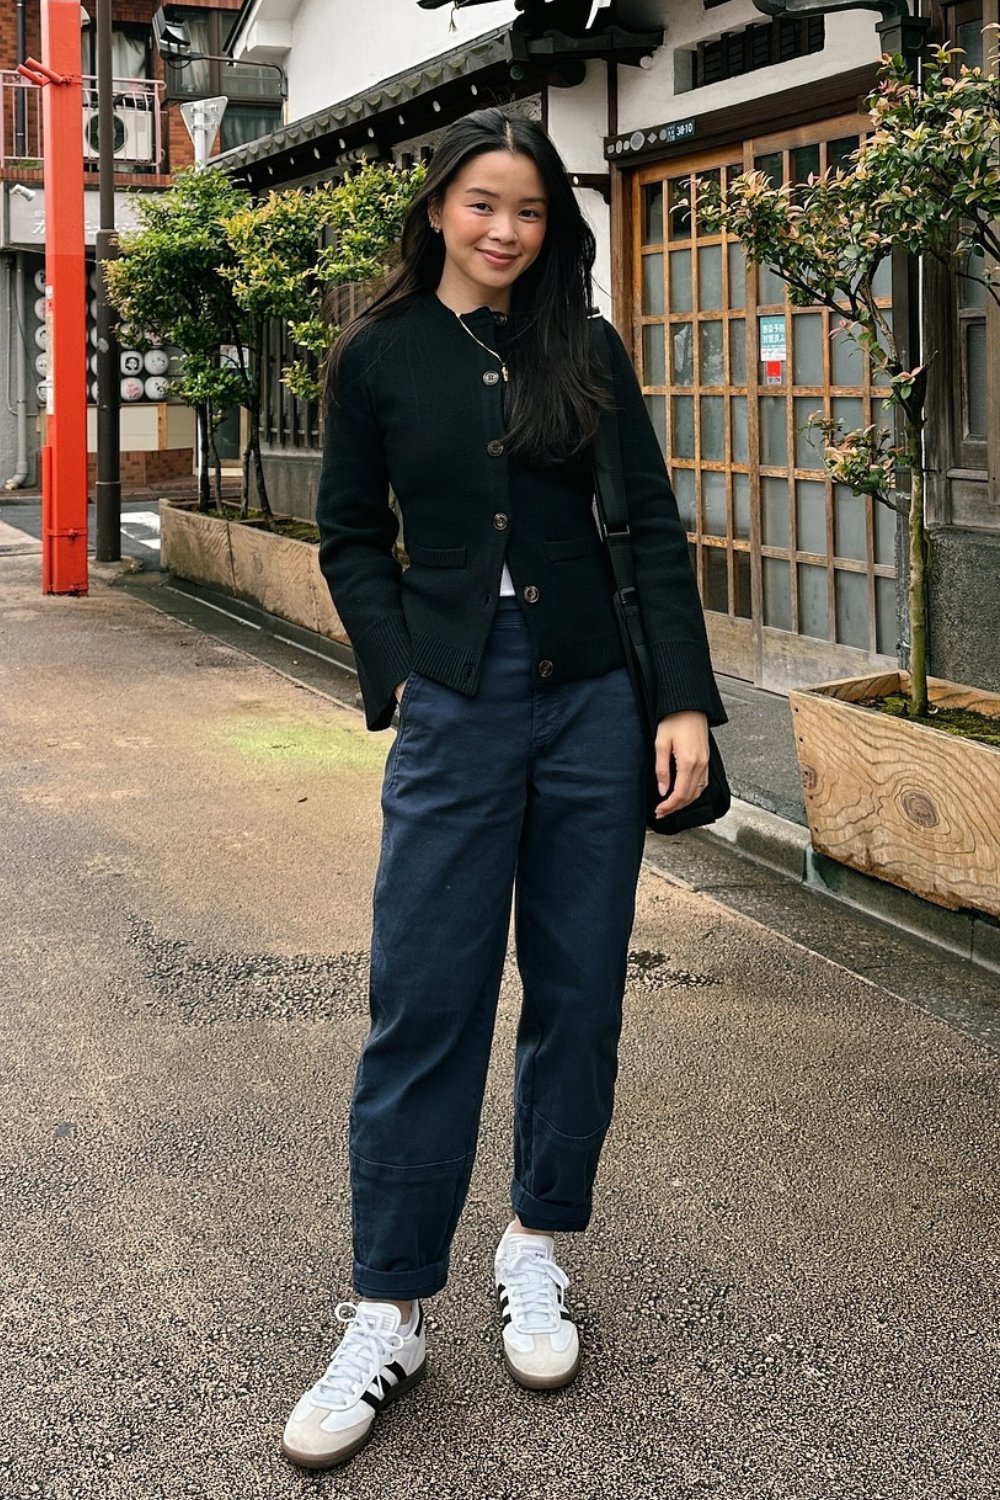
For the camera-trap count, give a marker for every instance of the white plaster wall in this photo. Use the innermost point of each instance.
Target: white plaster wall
(597, 214)
(340, 47)
(647, 97)
(578, 121)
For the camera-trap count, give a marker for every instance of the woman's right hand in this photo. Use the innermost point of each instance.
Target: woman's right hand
(399, 690)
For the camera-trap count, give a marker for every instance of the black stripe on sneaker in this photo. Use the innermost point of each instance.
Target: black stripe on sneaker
(565, 1315)
(506, 1319)
(373, 1401)
(396, 1371)
(502, 1296)
(420, 1319)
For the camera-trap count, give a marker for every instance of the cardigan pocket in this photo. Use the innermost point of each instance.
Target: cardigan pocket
(436, 557)
(567, 548)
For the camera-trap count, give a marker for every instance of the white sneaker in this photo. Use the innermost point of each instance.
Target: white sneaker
(540, 1343)
(372, 1365)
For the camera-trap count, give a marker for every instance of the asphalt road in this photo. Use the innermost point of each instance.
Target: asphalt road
(788, 1291)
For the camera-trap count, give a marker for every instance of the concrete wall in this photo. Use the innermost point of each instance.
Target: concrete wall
(965, 606)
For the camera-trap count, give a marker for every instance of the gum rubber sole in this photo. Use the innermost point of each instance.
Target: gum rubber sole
(319, 1461)
(540, 1382)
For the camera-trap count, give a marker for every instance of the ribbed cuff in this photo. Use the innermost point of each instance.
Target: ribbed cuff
(684, 680)
(384, 658)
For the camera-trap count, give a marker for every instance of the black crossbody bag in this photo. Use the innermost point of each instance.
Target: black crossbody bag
(612, 519)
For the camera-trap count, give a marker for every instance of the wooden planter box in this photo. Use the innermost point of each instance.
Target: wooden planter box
(242, 558)
(898, 799)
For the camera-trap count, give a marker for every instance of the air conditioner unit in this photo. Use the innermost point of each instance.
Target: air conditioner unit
(135, 136)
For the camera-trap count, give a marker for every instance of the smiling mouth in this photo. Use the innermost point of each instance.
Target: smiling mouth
(494, 255)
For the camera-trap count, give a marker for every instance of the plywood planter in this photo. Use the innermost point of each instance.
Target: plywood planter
(246, 560)
(900, 799)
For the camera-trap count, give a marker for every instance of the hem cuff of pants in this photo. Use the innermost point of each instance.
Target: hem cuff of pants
(400, 1286)
(548, 1216)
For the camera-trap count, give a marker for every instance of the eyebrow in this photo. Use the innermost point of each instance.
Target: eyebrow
(486, 193)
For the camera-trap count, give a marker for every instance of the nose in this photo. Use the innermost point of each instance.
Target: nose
(502, 230)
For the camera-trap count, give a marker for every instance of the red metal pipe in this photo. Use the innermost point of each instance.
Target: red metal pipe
(64, 458)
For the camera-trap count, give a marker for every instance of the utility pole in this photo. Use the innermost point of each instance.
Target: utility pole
(108, 545)
(64, 456)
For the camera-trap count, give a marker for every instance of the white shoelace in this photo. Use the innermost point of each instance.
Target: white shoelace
(359, 1357)
(533, 1281)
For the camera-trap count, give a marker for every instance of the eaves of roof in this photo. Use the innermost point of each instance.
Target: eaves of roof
(357, 120)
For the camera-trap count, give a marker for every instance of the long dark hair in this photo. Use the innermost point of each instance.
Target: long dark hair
(555, 391)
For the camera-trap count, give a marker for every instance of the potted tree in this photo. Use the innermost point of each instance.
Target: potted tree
(901, 772)
(208, 267)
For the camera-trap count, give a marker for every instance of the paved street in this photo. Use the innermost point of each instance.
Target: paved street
(790, 1287)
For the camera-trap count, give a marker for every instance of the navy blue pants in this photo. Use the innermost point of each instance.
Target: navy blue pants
(524, 788)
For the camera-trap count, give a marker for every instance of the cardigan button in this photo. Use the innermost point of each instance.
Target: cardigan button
(500, 318)
(500, 521)
(494, 447)
(490, 377)
(545, 669)
(531, 594)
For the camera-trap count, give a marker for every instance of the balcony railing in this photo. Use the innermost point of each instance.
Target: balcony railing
(138, 141)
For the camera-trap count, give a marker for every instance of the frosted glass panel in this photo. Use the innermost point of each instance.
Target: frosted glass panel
(652, 213)
(652, 284)
(810, 516)
(814, 598)
(682, 426)
(808, 440)
(716, 580)
(777, 593)
(680, 281)
(713, 502)
(774, 512)
(846, 365)
(882, 281)
(975, 365)
(737, 275)
(807, 331)
(741, 507)
(709, 276)
(848, 410)
(770, 287)
(738, 430)
(713, 427)
(849, 537)
(737, 352)
(656, 405)
(652, 354)
(885, 616)
(971, 287)
(683, 483)
(851, 598)
(885, 534)
(773, 435)
(681, 354)
(710, 338)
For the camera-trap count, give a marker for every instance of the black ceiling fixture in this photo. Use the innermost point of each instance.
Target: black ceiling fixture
(555, 35)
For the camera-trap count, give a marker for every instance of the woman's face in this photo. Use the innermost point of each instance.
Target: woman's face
(492, 221)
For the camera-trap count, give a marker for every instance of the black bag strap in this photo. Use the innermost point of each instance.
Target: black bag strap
(612, 518)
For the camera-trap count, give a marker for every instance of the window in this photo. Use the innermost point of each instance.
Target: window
(738, 52)
(131, 54)
(254, 92)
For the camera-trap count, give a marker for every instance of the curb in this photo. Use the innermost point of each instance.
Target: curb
(784, 846)
(750, 831)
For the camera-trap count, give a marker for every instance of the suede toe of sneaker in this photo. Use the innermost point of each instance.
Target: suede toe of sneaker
(317, 1437)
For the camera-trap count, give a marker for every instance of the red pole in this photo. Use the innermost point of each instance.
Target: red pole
(64, 461)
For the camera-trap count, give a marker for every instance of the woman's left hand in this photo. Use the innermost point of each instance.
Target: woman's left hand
(684, 736)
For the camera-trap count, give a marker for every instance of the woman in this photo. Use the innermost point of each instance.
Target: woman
(469, 386)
